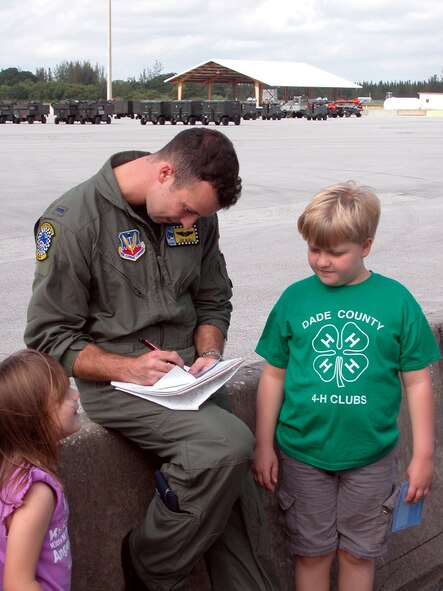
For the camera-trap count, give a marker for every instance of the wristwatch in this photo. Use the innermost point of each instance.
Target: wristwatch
(213, 353)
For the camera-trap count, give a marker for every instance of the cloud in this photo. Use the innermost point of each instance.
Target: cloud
(380, 39)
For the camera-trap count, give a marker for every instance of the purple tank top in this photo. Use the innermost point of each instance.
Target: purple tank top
(54, 565)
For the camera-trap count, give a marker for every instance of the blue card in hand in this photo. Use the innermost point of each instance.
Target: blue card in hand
(406, 514)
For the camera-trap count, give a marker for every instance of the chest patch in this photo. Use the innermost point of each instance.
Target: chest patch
(44, 240)
(131, 247)
(178, 236)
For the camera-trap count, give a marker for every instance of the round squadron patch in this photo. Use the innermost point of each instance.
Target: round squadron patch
(44, 240)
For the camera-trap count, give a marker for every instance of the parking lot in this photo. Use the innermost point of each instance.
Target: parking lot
(283, 163)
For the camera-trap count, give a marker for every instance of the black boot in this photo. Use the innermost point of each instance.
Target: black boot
(132, 580)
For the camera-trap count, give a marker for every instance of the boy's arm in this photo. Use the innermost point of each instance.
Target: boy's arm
(418, 386)
(269, 400)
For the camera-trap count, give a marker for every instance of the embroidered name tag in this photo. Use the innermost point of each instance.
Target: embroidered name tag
(131, 247)
(44, 240)
(178, 236)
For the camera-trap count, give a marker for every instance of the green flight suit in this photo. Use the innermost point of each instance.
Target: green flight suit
(106, 274)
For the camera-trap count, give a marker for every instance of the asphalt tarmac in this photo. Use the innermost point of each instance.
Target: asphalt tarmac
(283, 164)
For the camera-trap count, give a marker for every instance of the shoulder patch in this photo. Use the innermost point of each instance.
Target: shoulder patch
(44, 240)
(60, 210)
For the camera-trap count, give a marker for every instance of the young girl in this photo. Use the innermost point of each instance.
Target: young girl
(37, 409)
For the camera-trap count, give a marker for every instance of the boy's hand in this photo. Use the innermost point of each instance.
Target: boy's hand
(265, 468)
(419, 474)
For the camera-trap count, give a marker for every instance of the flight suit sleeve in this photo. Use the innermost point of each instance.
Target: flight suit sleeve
(212, 301)
(58, 309)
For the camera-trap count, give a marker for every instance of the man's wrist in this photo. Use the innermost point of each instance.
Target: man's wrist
(213, 354)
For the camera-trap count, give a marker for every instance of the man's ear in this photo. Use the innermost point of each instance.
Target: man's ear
(166, 172)
(366, 247)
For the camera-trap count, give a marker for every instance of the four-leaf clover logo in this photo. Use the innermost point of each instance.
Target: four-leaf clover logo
(341, 354)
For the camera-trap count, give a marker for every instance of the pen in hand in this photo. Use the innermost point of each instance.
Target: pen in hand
(151, 346)
(148, 344)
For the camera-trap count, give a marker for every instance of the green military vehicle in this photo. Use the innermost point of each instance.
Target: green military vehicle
(30, 112)
(222, 112)
(155, 112)
(6, 112)
(95, 111)
(84, 111)
(66, 111)
(316, 109)
(125, 108)
(189, 111)
(249, 110)
(271, 111)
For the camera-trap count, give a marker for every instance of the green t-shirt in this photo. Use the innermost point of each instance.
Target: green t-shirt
(343, 348)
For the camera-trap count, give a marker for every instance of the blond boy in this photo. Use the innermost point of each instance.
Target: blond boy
(337, 346)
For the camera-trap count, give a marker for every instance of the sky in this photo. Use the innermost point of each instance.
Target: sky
(361, 40)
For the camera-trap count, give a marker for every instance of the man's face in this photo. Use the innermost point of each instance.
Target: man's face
(171, 205)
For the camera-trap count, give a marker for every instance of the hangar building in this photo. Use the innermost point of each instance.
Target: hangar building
(261, 75)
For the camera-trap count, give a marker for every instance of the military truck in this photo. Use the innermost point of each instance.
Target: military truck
(155, 112)
(95, 111)
(348, 107)
(271, 111)
(249, 110)
(222, 112)
(189, 111)
(84, 111)
(294, 107)
(125, 108)
(30, 112)
(6, 112)
(316, 109)
(66, 111)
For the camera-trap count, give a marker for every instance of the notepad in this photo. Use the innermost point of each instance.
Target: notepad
(180, 390)
(406, 514)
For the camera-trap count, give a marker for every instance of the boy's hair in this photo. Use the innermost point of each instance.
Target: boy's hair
(347, 212)
(32, 385)
(205, 155)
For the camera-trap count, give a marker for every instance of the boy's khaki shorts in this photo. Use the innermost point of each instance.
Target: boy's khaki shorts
(349, 509)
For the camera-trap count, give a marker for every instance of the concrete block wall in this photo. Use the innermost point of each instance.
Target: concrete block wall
(109, 484)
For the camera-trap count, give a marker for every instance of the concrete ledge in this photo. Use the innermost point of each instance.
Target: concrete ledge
(109, 484)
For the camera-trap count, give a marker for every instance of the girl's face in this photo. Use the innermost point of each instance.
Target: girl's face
(67, 415)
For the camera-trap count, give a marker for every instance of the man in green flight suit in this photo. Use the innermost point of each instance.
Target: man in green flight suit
(132, 253)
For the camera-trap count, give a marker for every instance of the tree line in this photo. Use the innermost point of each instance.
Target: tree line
(82, 80)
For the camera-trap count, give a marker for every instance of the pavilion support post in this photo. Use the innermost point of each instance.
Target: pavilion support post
(235, 90)
(210, 90)
(258, 92)
(179, 91)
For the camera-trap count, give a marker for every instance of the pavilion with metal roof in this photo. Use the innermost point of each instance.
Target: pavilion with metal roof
(262, 75)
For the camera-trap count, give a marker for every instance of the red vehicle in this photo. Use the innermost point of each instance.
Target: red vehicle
(345, 108)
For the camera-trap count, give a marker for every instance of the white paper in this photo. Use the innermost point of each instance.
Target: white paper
(183, 393)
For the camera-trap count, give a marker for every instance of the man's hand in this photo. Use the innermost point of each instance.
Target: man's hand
(96, 364)
(147, 369)
(201, 364)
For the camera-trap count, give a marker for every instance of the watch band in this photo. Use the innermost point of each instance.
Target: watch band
(213, 353)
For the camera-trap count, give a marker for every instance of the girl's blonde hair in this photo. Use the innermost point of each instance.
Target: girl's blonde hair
(347, 212)
(32, 385)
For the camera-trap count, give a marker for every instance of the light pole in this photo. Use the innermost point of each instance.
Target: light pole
(109, 83)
